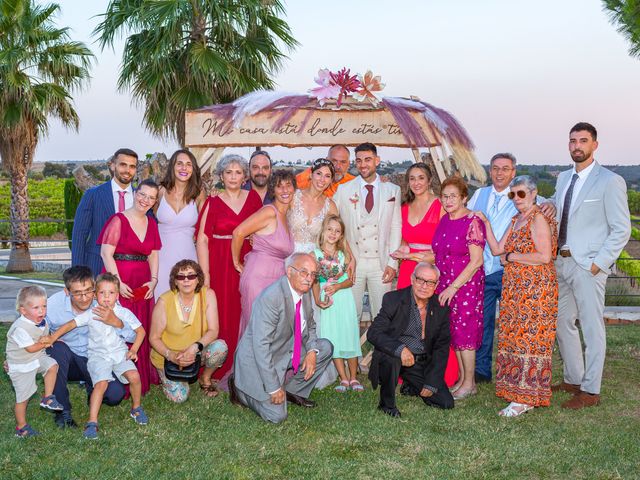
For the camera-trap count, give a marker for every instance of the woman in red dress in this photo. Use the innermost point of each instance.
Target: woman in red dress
(220, 215)
(130, 243)
(421, 213)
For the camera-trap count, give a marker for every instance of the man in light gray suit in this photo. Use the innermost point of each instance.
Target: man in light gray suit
(281, 335)
(594, 227)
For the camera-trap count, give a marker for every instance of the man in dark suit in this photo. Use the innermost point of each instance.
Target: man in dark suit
(411, 338)
(281, 335)
(97, 205)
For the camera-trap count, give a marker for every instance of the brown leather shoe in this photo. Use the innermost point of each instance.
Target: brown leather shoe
(582, 400)
(233, 395)
(566, 387)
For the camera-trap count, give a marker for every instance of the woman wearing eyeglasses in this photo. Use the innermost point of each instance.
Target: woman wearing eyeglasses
(458, 244)
(184, 325)
(129, 249)
(529, 303)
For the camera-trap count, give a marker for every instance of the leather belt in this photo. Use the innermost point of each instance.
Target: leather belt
(564, 253)
(129, 258)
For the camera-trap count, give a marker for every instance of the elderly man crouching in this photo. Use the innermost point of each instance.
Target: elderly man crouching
(411, 338)
(281, 335)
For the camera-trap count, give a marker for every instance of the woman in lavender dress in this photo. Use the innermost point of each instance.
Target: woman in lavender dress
(272, 244)
(458, 245)
(181, 197)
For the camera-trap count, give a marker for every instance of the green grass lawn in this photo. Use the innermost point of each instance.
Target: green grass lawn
(344, 437)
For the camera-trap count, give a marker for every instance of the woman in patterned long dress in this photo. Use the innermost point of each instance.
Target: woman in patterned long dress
(272, 244)
(180, 199)
(458, 244)
(529, 303)
(129, 249)
(220, 215)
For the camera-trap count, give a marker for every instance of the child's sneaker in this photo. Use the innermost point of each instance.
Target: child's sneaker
(139, 416)
(90, 431)
(26, 432)
(51, 403)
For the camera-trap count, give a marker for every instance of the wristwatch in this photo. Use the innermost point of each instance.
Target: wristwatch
(200, 347)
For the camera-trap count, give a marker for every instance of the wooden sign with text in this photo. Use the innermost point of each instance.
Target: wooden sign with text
(306, 128)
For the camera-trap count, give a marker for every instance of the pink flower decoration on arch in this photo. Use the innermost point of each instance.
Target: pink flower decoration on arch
(326, 89)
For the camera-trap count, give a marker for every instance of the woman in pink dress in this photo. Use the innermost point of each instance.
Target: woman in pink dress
(458, 245)
(130, 243)
(220, 215)
(272, 243)
(180, 199)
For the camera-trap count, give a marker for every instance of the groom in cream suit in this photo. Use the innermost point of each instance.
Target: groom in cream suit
(370, 210)
(593, 228)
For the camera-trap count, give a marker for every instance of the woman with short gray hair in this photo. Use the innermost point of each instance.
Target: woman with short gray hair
(221, 214)
(529, 303)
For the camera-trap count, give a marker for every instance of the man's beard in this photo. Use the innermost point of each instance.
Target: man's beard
(259, 180)
(578, 158)
(338, 177)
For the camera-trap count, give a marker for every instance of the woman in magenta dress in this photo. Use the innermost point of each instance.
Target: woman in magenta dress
(130, 243)
(220, 215)
(458, 245)
(272, 243)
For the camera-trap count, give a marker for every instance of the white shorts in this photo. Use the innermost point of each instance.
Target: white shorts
(103, 369)
(24, 383)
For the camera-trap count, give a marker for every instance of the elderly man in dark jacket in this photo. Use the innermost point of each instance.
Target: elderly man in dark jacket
(411, 338)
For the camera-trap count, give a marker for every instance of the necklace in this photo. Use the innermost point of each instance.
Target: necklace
(183, 306)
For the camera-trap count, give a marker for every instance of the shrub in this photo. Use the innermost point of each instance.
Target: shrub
(72, 196)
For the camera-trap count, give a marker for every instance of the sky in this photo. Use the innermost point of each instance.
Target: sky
(516, 74)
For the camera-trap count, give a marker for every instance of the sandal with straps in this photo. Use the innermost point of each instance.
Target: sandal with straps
(515, 409)
(343, 387)
(356, 386)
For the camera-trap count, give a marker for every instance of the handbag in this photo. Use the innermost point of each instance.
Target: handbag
(188, 373)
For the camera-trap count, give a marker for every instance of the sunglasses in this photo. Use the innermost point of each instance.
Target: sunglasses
(191, 276)
(519, 193)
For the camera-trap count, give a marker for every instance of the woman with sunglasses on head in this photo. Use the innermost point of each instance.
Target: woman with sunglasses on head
(220, 215)
(184, 325)
(458, 245)
(529, 303)
(179, 201)
(272, 244)
(129, 249)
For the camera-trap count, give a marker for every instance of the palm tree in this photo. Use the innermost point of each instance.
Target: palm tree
(185, 54)
(39, 65)
(626, 15)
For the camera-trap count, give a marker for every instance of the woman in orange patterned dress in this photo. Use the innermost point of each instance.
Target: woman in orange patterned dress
(529, 303)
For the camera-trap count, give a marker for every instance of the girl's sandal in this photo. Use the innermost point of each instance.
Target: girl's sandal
(515, 409)
(356, 386)
(343, 387)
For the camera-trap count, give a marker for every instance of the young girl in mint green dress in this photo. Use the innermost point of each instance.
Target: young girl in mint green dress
(332, 293)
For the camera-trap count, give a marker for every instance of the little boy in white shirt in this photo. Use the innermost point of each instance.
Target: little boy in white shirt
(108, 353)
(27, 339)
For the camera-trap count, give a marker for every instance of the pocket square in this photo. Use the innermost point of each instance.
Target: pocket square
(392, 199)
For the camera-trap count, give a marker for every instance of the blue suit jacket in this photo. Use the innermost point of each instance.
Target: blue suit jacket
(96, 206)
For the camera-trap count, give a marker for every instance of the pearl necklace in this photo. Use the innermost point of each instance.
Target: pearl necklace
(183, 306)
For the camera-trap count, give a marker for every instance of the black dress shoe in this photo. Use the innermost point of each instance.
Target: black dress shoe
(392, 412)
(233, 394)
(406, 389)
(482, 379)
(300, 401)
(65, 420)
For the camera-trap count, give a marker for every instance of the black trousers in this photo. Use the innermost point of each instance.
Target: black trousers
(390, 369)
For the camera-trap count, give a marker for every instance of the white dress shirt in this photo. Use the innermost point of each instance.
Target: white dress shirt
(104, 340)
(364, 192)
(582, 178)
(24, 340)
(128, 197)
